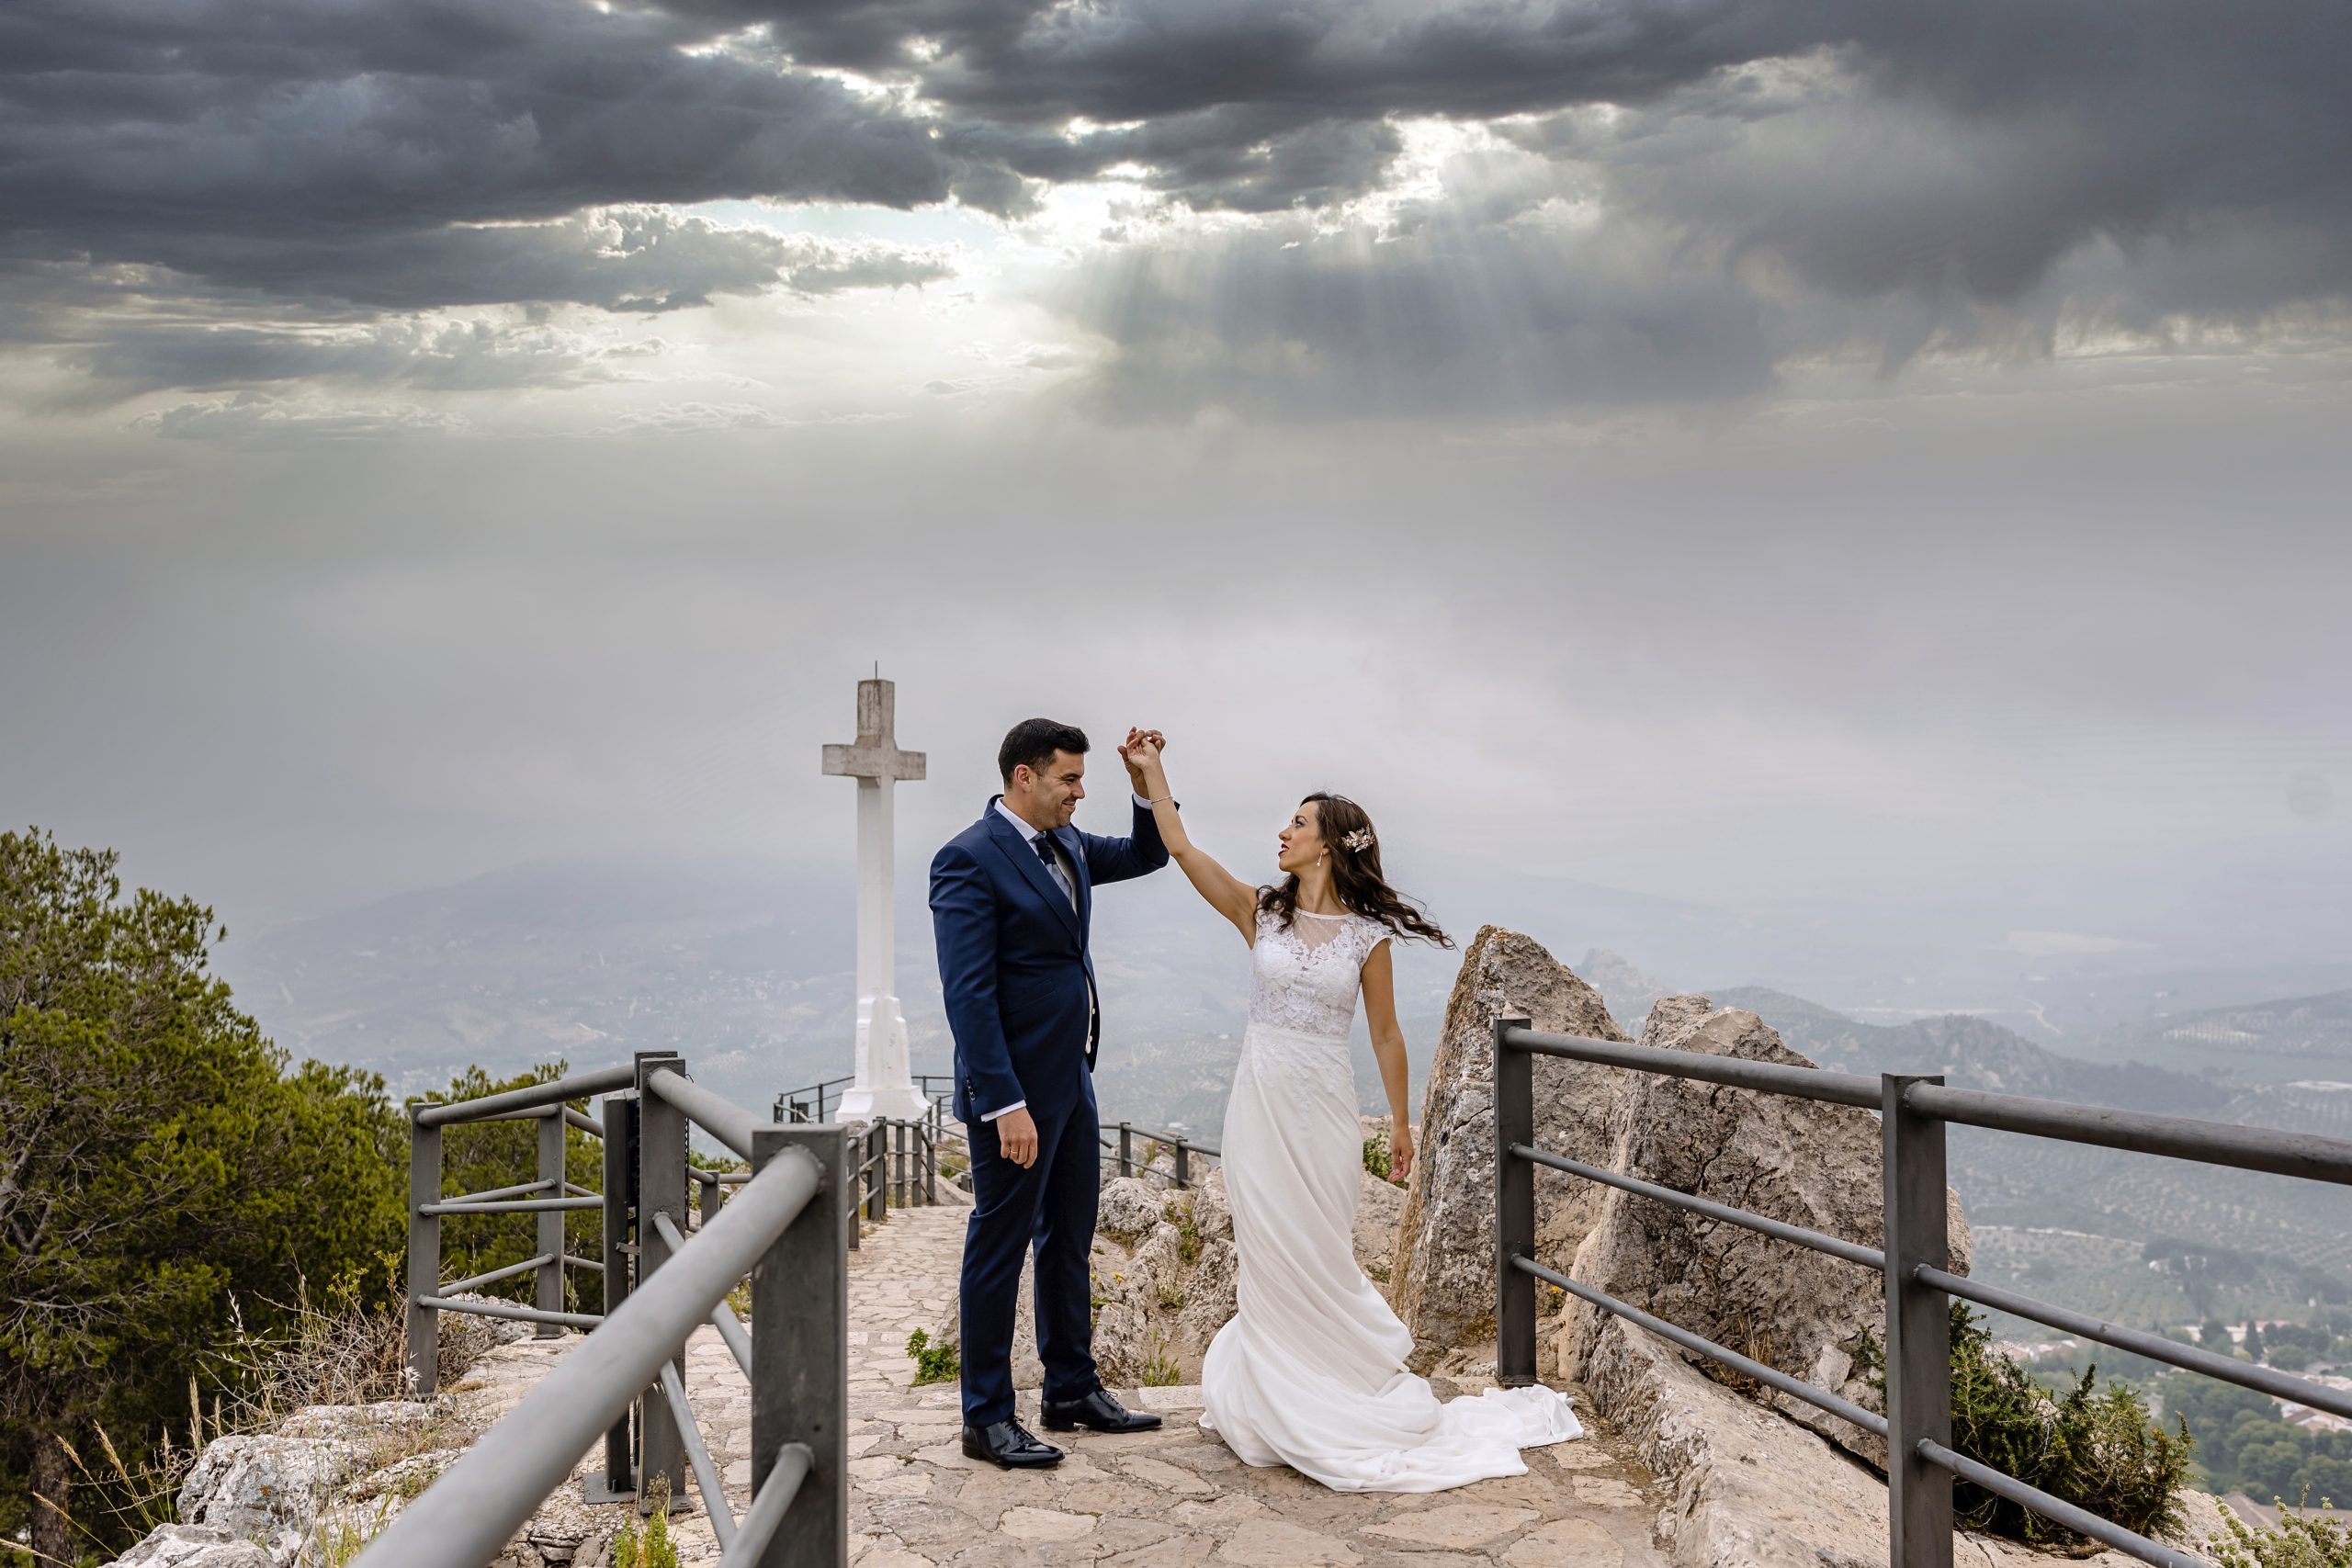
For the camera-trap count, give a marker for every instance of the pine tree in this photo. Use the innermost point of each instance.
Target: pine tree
(156, 1155)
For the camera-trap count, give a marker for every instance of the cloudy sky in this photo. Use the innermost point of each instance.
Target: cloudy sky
(1743, 450)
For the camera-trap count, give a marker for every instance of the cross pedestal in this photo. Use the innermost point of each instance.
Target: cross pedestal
(884, 1084)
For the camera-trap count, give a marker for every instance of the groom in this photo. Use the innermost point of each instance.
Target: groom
(1011, 899)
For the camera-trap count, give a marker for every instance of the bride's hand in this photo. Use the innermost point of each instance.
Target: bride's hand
(1140, 751)
(1400, 1153)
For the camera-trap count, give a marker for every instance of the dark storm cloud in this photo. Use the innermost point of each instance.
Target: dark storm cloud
(1816, 172)
(1449, 321)
(395, 155)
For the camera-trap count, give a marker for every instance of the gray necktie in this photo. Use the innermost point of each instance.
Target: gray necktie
(1046, 852)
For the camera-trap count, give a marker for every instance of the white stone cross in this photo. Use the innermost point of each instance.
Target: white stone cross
(884, 1084)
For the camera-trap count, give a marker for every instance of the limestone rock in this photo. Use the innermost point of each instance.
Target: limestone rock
(1443, 1281)
(1128, 1209)
(1754, 1491)
(385, 1419)
(1803, 1162)
(1135, 1339)
(264, 1487)
(194, 1546)
(1211, 1286)
(1380, 1211)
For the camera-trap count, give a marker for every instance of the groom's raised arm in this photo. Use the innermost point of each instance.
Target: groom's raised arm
(963, 926)
(1116, 860)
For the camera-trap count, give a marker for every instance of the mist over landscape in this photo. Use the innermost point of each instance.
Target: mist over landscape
(746, 967)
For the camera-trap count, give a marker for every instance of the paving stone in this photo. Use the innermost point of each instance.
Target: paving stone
(1276, 1544)
(1539, 1492)
(1165, 1477)
(1043, 1524)
(1186, 1550)
(1221, 1512)
(948, 1456)
(1565, 1543)
(1604, 1492)
(1112, 1497)
(1454, 1525)
(1174, 1396)
(893, 1557)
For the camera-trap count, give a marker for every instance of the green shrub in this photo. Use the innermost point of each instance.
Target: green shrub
(2098, 1450)
(933, 1363)
(1160, 1368)
(653, 1549)
(2298, 1540)
(1188, 1231)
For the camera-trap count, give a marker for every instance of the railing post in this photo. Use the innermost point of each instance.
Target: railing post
(713, 1198)
(660, 1185)
(901, 1133)
(878, 1172)
(1183, 1170)
(423, 1254)
(1918, 1329)
(799, 1352)
(1126, 1150)
(616, 1482)
(1514, 1209)
(551, 1241)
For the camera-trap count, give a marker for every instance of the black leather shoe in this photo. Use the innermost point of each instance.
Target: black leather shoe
(1097, 1411)
(1009, 1445)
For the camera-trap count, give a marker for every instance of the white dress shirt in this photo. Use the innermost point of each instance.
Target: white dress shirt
(1061, 879)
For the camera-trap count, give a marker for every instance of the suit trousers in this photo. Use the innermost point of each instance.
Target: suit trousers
(1049, 1205)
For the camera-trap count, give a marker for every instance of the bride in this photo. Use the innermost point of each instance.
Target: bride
(1311, 1370)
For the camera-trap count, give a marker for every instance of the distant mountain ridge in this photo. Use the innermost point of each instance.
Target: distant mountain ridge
(2035, 1183)
(1972, 1052)
(2297, 1037)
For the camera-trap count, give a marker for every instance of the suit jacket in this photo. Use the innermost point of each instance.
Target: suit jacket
(1013, 960)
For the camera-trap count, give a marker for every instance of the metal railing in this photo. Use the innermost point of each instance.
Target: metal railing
(897, 1166)
(935, 1133)
(1913, 1112)
(783, 1227)
(809, 1102)
(1120, 1137)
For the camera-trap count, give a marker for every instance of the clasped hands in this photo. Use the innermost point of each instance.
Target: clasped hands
(1140, 750)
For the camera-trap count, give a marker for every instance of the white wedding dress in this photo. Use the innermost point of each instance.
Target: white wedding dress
(1311, 1370)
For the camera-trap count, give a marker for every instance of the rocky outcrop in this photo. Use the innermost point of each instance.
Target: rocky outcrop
(1442, 1280)
(1754, 1491)
(195, 1546)
(1380, 1208)
(276, 1489)
(1799, 1161)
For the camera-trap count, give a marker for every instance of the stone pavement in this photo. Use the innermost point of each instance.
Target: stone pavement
(1173, 1497)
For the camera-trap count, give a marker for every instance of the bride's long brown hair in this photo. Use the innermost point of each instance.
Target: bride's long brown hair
(1355, 876)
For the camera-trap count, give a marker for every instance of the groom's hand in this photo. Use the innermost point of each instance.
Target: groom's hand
(1016, 1137)
(1139, 748)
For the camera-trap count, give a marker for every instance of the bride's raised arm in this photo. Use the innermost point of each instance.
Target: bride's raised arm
(1225, 893)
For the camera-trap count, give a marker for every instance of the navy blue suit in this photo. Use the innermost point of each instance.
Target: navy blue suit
(1018, 979)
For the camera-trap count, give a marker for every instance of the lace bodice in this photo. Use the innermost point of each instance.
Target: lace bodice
(1305, 978)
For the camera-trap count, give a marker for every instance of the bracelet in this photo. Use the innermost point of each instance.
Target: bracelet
(1158, 798)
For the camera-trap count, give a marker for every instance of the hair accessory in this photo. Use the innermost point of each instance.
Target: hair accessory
(1359, 839)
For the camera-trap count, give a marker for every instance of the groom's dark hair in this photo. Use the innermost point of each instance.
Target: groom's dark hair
(1035, 741)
